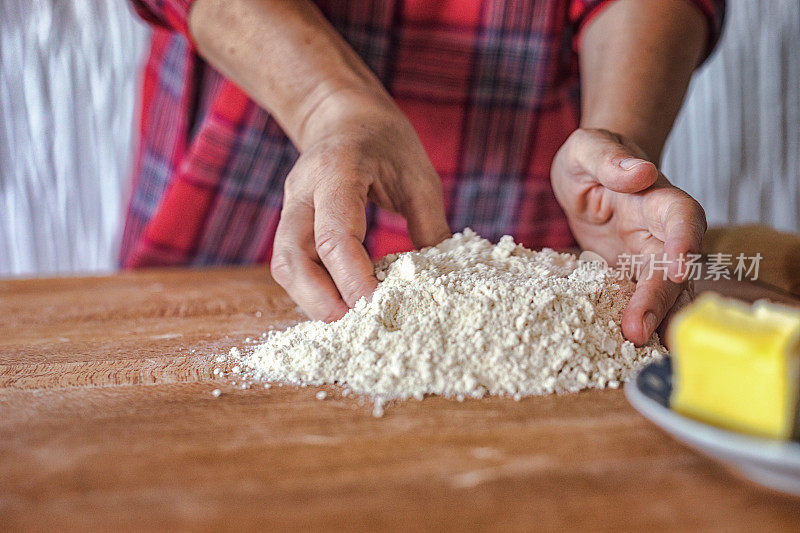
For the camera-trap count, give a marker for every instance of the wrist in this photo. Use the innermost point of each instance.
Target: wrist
(652, 144)
(330, 109)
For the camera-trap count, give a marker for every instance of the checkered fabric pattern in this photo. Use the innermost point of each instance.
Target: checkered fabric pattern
(491, 88)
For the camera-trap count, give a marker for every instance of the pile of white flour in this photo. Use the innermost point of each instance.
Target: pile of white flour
(465, 319)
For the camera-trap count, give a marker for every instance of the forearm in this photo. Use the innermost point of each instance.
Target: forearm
(288, 58)
(637, 57)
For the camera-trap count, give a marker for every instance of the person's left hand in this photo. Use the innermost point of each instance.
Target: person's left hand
(617, 202)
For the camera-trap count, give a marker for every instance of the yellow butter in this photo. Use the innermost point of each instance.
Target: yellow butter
(737, 366)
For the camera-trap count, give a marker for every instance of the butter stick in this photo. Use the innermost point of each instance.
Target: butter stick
(737, 366)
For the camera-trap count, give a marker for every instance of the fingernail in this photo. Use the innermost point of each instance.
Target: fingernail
(650, 322)
(631, 162)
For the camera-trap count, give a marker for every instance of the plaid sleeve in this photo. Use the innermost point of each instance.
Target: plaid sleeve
(583, 11)
(169, 14)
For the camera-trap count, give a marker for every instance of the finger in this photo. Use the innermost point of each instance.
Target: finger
(424, 214)
(296, 268)
(614, 165)
(340, 225)
(685, 226)
(684, 299)
(651, 300)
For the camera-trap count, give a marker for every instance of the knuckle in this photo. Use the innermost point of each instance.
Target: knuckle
(281, 267)
(578, 136)
(299, 190)
(291, 187)
(302, 179)
(700, 214)
(327, 242)
(594, 134)
(689, 210)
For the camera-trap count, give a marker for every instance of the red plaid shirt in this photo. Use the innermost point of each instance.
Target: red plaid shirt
(491, 88)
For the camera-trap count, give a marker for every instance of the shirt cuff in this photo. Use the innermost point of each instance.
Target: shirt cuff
(581, 12)
(169, 14)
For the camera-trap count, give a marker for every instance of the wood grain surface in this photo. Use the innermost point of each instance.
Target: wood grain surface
(107, 422)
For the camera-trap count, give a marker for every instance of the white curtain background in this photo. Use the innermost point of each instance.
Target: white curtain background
(736, 144)
(68, 76)
(68, 79)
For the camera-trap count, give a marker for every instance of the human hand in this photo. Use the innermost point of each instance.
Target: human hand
(617, 203)
(367, 151)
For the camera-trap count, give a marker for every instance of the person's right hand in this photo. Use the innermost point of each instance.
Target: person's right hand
(370, 152)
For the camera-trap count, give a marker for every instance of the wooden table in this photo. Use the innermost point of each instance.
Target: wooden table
(107, 422)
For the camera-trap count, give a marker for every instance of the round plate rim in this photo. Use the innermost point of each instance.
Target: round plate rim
(707, 437)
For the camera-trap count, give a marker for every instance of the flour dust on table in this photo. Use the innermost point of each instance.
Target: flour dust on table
(462, 319)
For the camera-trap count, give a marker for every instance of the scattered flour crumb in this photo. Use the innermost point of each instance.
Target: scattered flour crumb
(216, 393)
(321, 395)
(466, 319)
